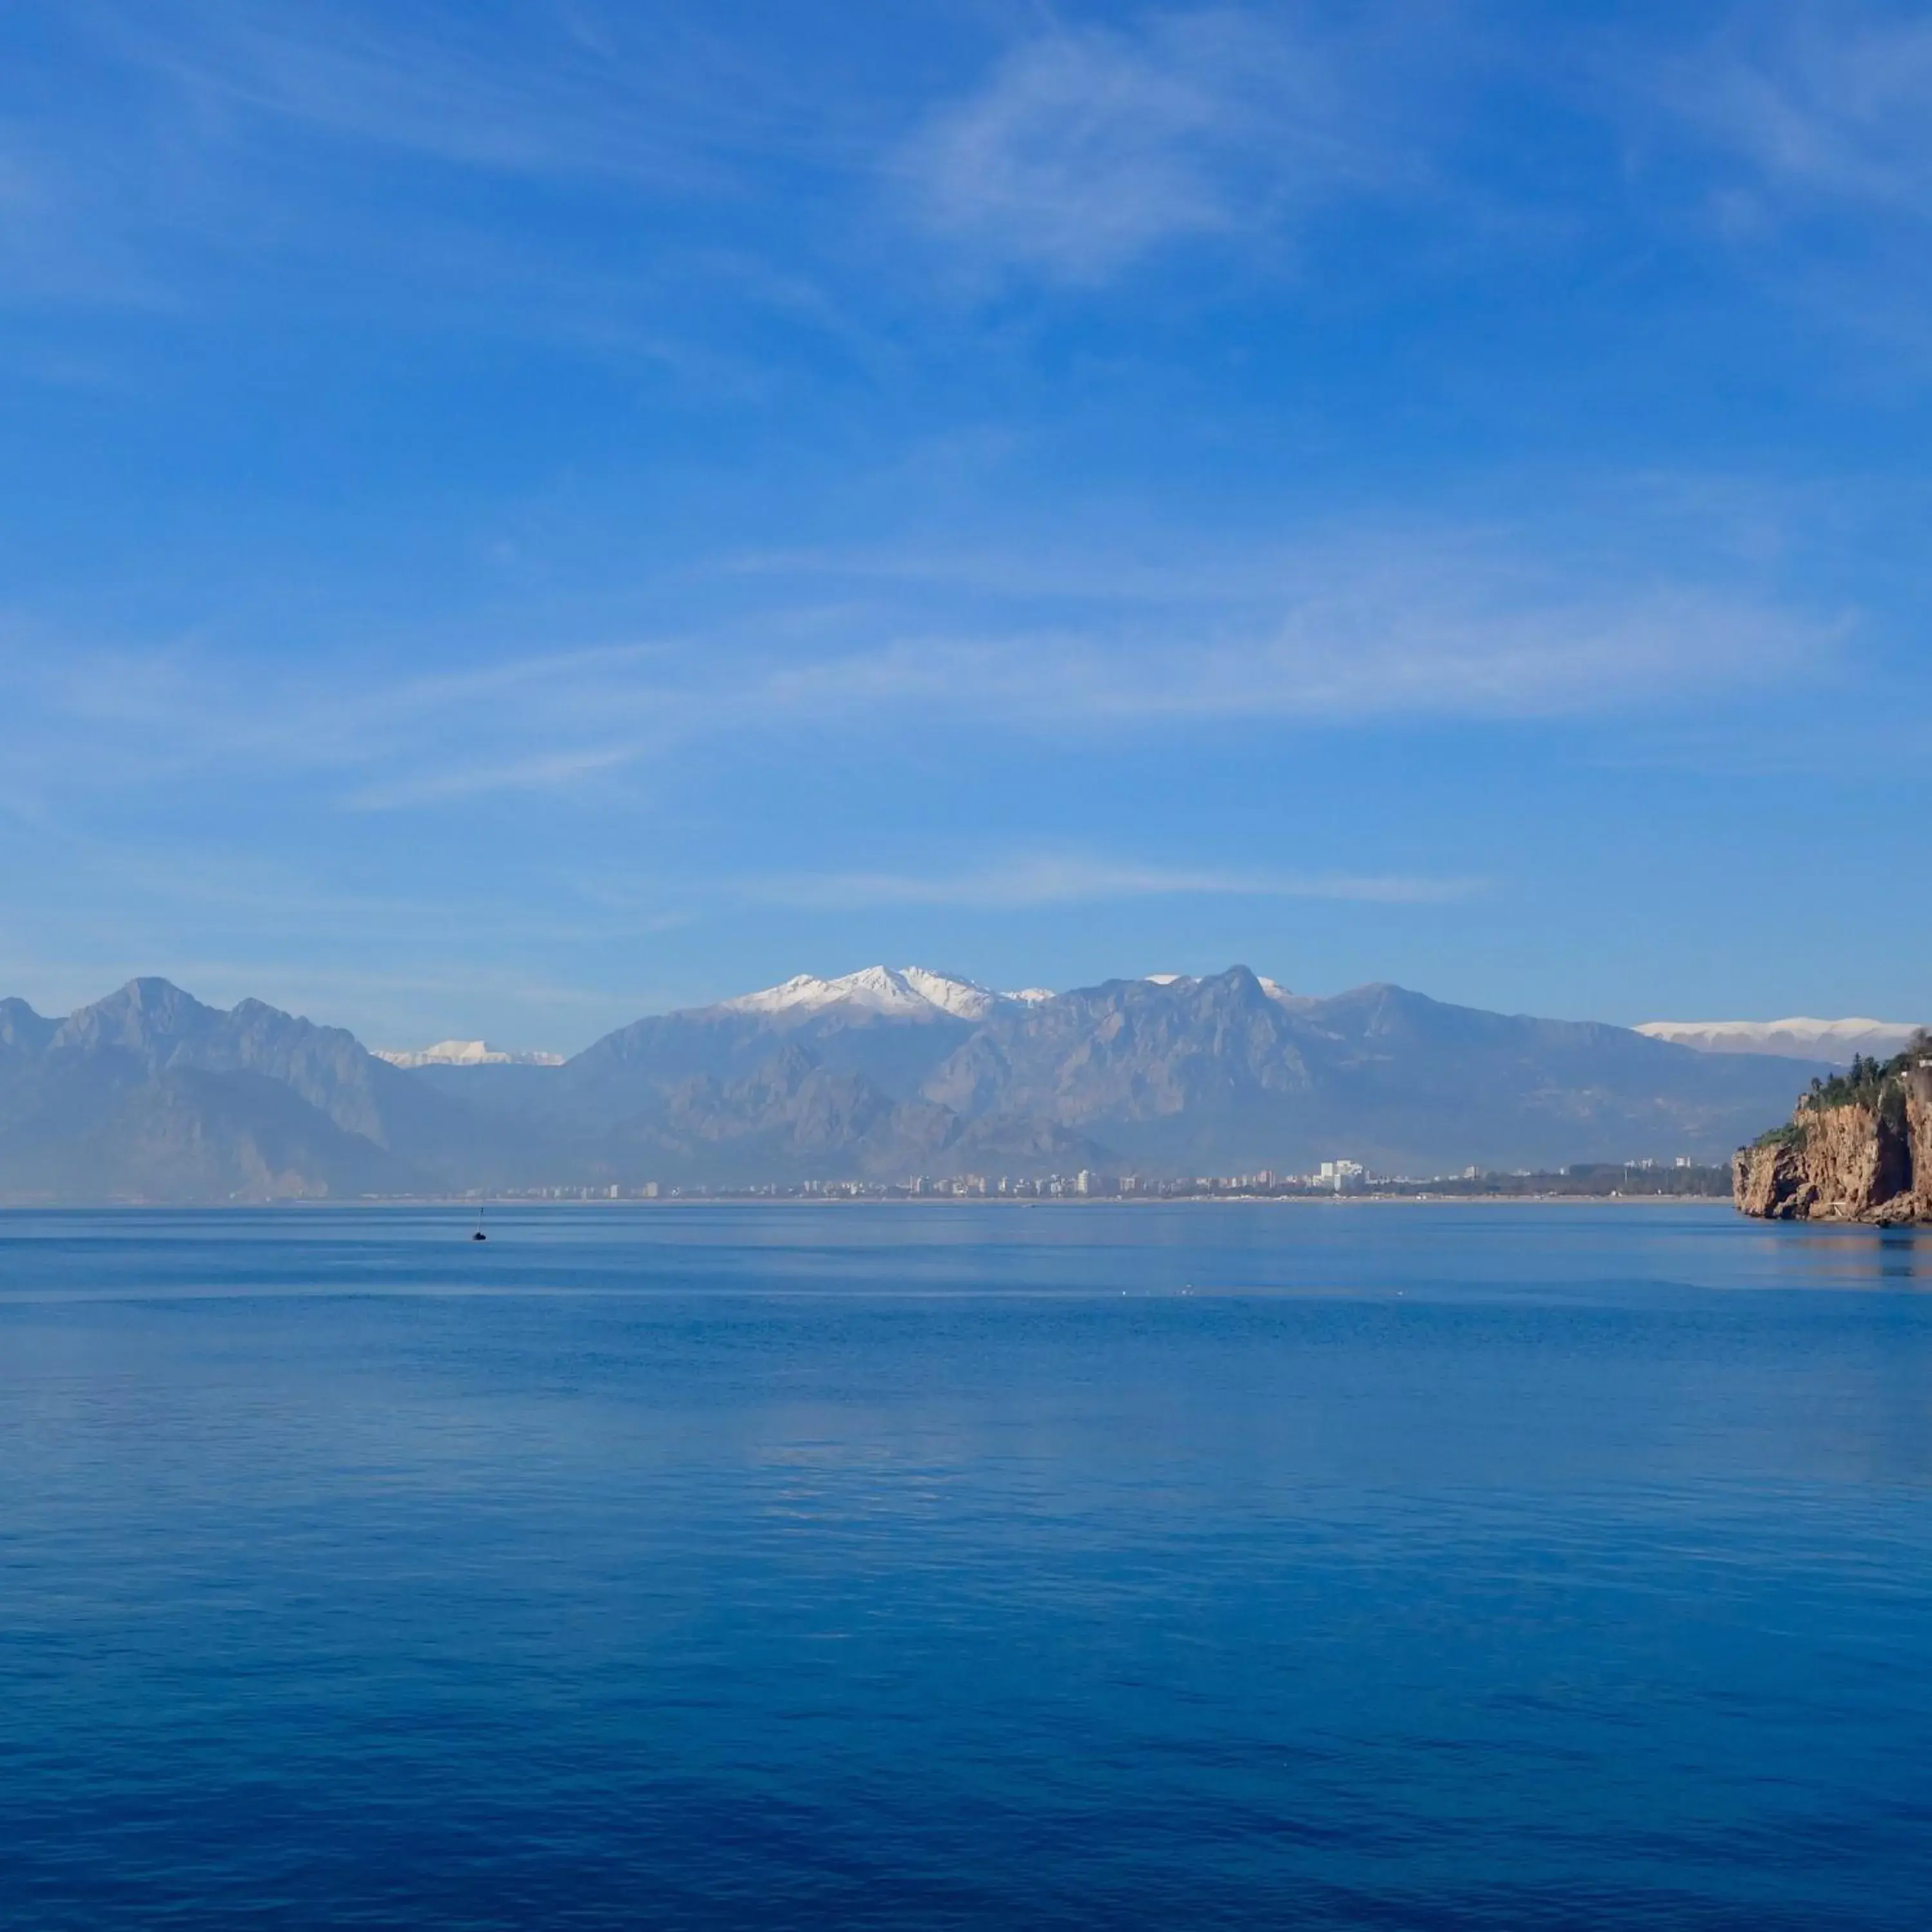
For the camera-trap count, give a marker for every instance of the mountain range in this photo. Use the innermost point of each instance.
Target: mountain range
(150, 1095)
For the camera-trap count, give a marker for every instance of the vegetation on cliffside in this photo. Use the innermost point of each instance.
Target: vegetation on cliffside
(1871, 1082)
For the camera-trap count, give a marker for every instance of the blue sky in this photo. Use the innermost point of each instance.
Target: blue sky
(520, 515)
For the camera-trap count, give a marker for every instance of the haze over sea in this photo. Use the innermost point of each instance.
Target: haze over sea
(1230, 1565)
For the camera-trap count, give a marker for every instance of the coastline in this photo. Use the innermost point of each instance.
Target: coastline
(470, 1203)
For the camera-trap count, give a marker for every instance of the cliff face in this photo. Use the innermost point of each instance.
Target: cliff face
(1857, 1162)
(1918, 1137)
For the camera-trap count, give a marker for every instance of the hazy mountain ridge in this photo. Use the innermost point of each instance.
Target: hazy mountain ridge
(150, 1094)
(795, 1118)
(1224, 1073)
(634, 1070)
(100, 1125)
(22, 1030)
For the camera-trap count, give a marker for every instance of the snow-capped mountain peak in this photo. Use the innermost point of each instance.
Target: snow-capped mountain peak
(960, 998)
(1799, 1038)
(802, 990)
(1274, 989)
(462, 1053)
(901, 992)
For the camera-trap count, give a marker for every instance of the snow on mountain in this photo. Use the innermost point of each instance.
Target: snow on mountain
(803, 991)
(1274, 989)
(903, 992)
(1798, 1038)
(462, 1053)
(960, 997)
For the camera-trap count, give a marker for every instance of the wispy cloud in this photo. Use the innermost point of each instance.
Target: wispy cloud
(1422, 628)
(1084, 148)
(1044, 880)
(1089, 146)
(583, 173)
(650, 98)
(556, 771)
(1411, 645)
(1822, 103)
(1800, 134)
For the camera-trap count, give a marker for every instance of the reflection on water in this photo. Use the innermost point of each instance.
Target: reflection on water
(1355, 1565)
(1852, 1256)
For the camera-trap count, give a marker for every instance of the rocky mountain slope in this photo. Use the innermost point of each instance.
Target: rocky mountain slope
(1227, 1073)
(794, 1118)
(1858, 1148)
(888, 1026)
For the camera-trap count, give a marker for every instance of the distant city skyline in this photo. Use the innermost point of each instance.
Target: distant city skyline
(526, 514)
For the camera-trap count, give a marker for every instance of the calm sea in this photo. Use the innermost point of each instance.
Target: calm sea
(1392, 1566)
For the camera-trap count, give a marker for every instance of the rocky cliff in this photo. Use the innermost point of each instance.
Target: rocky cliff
(1918, 1134)
(1859, 1149)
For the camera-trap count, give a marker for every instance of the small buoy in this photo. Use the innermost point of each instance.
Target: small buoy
(479, 1236)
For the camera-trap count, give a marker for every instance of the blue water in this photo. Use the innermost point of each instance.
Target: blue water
(1362, 1565)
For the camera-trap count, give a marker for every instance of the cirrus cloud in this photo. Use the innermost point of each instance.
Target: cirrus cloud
(1826, 104)
(1089, 147)
(1045, 879)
